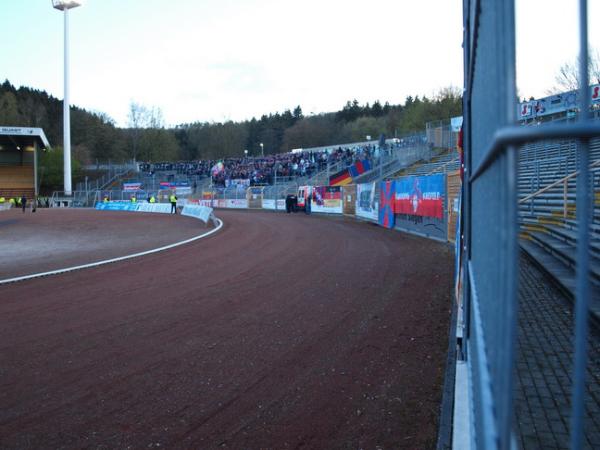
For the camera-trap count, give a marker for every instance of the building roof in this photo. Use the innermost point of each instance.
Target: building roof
(16, 138)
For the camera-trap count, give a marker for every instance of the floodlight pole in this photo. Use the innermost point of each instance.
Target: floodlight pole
(65, 6)
(66, 113)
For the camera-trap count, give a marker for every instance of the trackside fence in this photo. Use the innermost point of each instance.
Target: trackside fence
(423, 205)
(490, 260)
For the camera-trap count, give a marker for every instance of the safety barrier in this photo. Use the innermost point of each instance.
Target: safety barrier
(423, 205)
(201, 212)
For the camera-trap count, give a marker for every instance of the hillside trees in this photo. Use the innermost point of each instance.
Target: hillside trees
(567, 78)
(95, 136)
(51, 170)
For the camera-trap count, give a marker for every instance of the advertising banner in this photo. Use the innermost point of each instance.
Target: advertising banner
(386, 204)
(367, 205)
(595, 98)
(116, 206)
(236, 203)
(180, 187)
(327, 199)
(239, 183)
(420, 196)
(132, 186)
(164, 208)
(269, 203)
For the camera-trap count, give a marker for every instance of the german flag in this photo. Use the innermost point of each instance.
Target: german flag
(342, 178)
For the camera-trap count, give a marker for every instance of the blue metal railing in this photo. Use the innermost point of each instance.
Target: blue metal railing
(491, 253)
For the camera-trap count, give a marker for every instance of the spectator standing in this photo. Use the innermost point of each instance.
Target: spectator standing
(23, 203)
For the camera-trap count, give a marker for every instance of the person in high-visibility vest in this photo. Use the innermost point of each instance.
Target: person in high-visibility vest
(12, 202)
(105, 199)
(133, 199)
(2, 200)
(152, 199)
(173, 200)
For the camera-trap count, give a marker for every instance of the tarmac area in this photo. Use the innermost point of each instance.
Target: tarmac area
(278, 331)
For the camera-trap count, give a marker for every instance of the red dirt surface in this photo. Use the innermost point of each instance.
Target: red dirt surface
(279, 331)
(56, 238)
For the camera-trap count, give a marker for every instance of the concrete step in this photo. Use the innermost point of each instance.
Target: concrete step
(565, 252)
(564, 275)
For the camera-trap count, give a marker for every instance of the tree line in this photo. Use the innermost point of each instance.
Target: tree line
(95, 137)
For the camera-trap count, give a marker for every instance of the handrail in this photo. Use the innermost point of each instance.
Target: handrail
(443, 166)
(514, 135)
(556, 183)
(533, 162)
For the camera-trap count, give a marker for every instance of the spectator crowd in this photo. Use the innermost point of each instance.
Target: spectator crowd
(262, 170)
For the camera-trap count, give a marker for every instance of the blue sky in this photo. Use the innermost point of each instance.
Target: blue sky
(215, 60)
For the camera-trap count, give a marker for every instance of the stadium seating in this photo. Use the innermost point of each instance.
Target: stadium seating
(16, 182)
(447, 161)
(547, 218)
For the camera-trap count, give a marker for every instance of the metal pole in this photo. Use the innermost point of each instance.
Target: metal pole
(66, 115)
(583, 241)
(275, 187)
(35, 169)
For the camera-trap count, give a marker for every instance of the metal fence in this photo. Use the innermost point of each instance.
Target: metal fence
(113, 174)
(491, 257)
(440, 134)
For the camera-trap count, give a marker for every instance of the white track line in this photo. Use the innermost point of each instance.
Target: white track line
(109, 261)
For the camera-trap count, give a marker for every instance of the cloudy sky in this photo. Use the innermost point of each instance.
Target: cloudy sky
(215, 60)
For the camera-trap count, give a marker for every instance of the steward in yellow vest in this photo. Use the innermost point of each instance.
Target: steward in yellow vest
(173, 200)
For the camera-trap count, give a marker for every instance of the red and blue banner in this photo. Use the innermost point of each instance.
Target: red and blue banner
(132, 186)
(386, 204)
(421, 196)
(173, 184)
(359, 167)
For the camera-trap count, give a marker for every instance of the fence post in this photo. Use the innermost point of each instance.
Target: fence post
(565, 184)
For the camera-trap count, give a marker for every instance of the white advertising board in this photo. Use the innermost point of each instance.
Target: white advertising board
(236, 203)
(335, 209)
(269, 203)
(200, 212)
(367, 205)
(164, 208)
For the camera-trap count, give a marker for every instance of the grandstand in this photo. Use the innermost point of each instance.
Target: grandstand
(284, 172)
(447, 161)
(19, 154)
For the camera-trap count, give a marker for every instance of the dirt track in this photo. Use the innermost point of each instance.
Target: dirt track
(280, 331)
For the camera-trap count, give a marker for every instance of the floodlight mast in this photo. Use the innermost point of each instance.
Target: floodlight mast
(65, 5)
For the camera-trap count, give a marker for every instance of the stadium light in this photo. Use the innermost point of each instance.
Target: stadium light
(262, 149)
(65, 5)
(246, 153)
